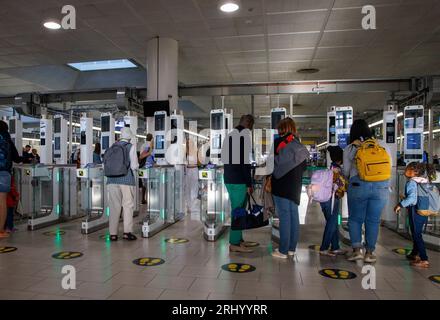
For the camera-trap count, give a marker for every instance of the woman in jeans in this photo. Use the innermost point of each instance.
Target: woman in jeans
(8, 154)
(289, 166)
(366, 200)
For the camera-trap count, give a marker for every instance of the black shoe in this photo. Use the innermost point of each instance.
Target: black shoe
(113, 238)
(129, 236)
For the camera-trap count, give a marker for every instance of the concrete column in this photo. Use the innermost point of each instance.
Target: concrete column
(162, 68)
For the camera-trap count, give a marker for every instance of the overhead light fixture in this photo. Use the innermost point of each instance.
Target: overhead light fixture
(229, 6)
(52, 25)
(103, 65)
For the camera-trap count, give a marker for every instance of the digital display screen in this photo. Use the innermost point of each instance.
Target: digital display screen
(57, 125)
(344, 119)
(413, 141)
(217, 142)
(105, 142)
(12, 126)
(391, 132)
(276, 117)
(414, 119)
(159, 122)
(217, 121)
(173, 131)
(160, 143)
(83, 137)
(57, 143)
(105, 124)
(43, 141)
(343, 140)
(332, 130)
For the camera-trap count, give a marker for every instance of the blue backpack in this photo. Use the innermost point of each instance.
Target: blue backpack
(428, 199)
(5, 154)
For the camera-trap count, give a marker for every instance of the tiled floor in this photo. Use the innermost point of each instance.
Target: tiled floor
(193, 270)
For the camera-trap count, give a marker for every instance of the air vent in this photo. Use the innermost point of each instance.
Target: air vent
(308, 70)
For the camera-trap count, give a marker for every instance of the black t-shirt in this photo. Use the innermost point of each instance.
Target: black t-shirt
(289, 186)
(15, 157)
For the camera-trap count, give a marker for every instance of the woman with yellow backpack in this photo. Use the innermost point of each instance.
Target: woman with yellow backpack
(367, 166)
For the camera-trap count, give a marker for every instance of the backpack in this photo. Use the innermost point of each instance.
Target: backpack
(373, 161)
(428, 199)
(117, 160)
(5, 154)
(321, 186)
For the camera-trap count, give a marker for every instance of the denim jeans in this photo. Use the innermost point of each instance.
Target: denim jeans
(287, 211)
(5, 181)
(10, 219)
(366, 201)
(416, 224)
(331, 227)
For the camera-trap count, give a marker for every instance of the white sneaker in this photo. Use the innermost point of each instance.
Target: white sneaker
(277, 254)
(356, 255)
(291, 253)
(339, 252)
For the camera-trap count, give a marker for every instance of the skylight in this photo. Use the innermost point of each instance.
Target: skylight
(102, 65)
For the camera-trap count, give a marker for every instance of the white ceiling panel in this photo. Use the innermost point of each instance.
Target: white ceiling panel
(293, 41)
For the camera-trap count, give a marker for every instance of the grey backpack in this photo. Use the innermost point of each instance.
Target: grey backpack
(428, 199)
(117, 160)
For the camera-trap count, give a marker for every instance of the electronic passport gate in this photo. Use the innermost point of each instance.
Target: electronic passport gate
(215, 208)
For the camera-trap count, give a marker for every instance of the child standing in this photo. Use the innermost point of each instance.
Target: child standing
(11, 203)
(331, 237)
(416, 173)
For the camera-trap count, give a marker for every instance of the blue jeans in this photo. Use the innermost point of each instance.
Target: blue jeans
(5, 181)
(331, 227)
(10, 219)
(366, 201)
(416, 224)
(287, 211)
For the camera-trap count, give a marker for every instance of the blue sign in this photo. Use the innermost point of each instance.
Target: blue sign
(413, 141)
(343, 140)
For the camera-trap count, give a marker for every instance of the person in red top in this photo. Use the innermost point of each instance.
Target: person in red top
(11, 202)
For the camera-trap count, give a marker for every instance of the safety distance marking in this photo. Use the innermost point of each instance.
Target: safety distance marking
(238, 267)
(315, 247)
(7, 249)
(337, 274)
(148, 261)
(66, 255)
(402, 251)
(176, 240)
(435, 278)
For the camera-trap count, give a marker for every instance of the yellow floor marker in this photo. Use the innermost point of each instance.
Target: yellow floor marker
(337, 274)
(148, 261)
(238, 267)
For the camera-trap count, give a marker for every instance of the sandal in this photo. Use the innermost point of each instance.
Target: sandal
(420, 264)
(113, 238)
(129, 236)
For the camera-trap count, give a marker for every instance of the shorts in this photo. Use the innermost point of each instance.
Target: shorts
(5, 182)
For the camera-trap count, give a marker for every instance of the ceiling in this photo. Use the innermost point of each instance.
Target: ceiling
(266, 40)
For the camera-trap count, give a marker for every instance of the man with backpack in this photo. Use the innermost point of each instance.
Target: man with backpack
(120, 163)
(8, 154)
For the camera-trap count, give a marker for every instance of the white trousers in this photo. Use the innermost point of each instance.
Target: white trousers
(121, 197)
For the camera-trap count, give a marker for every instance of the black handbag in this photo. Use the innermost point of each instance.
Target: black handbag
(250, 220)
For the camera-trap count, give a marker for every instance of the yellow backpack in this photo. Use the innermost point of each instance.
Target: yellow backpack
(373, 161)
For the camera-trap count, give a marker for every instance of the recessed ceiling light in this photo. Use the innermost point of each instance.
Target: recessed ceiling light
(52, 24)
(229, 6)
(308, 70)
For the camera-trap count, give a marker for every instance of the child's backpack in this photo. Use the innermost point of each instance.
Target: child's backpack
(321, 186)
(373, 161)
(117, 160)
(5, 155)
(428, 199)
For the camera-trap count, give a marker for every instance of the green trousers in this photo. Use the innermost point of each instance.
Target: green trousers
(238, 197)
